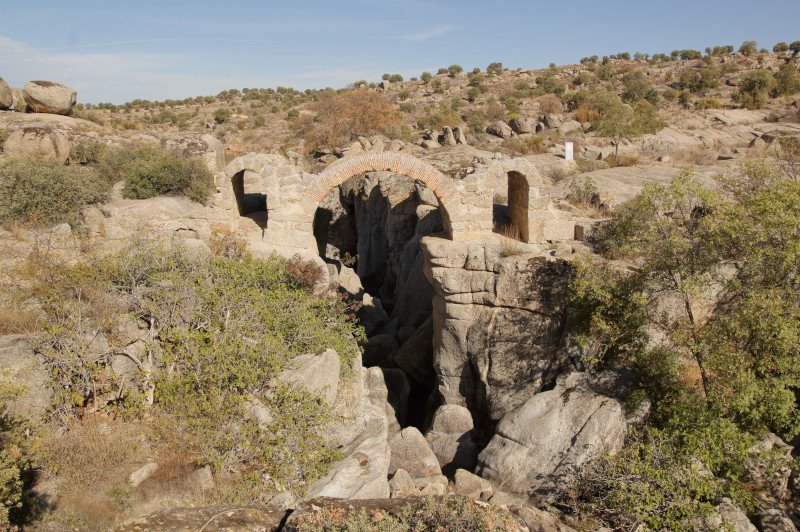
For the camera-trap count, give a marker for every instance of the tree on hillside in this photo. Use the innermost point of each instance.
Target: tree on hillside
(780, 47)
(618, 120)
(795, 47)
(748, 48)
(755, 88)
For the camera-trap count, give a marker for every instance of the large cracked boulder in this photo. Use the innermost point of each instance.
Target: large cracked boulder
(49, 97)
(544, 443)
(450, 438)
(38, 140)
(6, 96)
(411, 452)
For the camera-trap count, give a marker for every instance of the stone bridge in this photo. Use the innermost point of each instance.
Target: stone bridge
(292, 196)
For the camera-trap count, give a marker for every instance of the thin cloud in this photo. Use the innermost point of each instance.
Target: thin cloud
(425, 35)
(154, 41)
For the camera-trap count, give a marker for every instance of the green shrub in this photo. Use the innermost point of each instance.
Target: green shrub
(3, 136)
(439, 117)
(494, 69)
(786, 81)
(454, 70)
(425, 77)
(150, 171)
(795, 47)
(780, 47)
(403, 95)
(221, 330)
(671, 478)
(44, 192)
(222, 115)
(755, 88)
(748, 48)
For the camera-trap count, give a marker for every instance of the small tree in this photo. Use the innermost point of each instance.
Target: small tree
(454, 70)
(795, 47)
(780, 47)
(617, 119)
(755, 88)
(748, 48)
(497, 68)
(425, 77)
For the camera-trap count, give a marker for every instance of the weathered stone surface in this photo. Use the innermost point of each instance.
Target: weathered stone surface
(411, 452)
(545, 442)
(17, 355)
(363, 473)
(494, 369)
(6, 96)
(18, 100)
(775, 520)
(49, 97)
(500, 129)
(316, 372)
(402, 486)
(471, 485)
(540, 520)
(451, 440)
(38, 140)
(208, 148)
(769, 466)
(522, 125)
(208, 519)
(728, 516)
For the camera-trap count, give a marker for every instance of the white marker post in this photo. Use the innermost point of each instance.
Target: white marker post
(568, 151)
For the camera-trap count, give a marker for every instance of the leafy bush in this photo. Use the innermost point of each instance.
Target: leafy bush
(3, 136)
(439, 117)
(45, 192)
(150, 171)
(582, 191)
(494, 69)
(755, 88)
(780, 47)
(786, 81)
(220, 331)
(698, 79)
(454, 70)
(671, 478)
(748, 48)
(17, 453)
(222, 115)
(425, 77)
(343, 117)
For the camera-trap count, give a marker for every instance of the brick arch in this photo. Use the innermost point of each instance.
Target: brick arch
(395, 162)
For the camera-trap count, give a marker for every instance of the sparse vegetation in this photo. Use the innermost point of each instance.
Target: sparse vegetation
(42, 192)
(341, 118)
(150, 171)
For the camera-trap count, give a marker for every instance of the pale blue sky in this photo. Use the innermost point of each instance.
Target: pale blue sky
(117, 51)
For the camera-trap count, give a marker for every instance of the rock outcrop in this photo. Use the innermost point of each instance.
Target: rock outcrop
(49, 97)
(38, 140)
(540, 446)
(6, 96)
(497, 322)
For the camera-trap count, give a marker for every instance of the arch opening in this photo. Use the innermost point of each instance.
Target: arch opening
(249, 200)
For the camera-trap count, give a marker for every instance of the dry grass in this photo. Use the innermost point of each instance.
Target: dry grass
(550, 103)
(510, 244)
(623, 160)
(525, 145)
(18, 318)
(698, 156)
